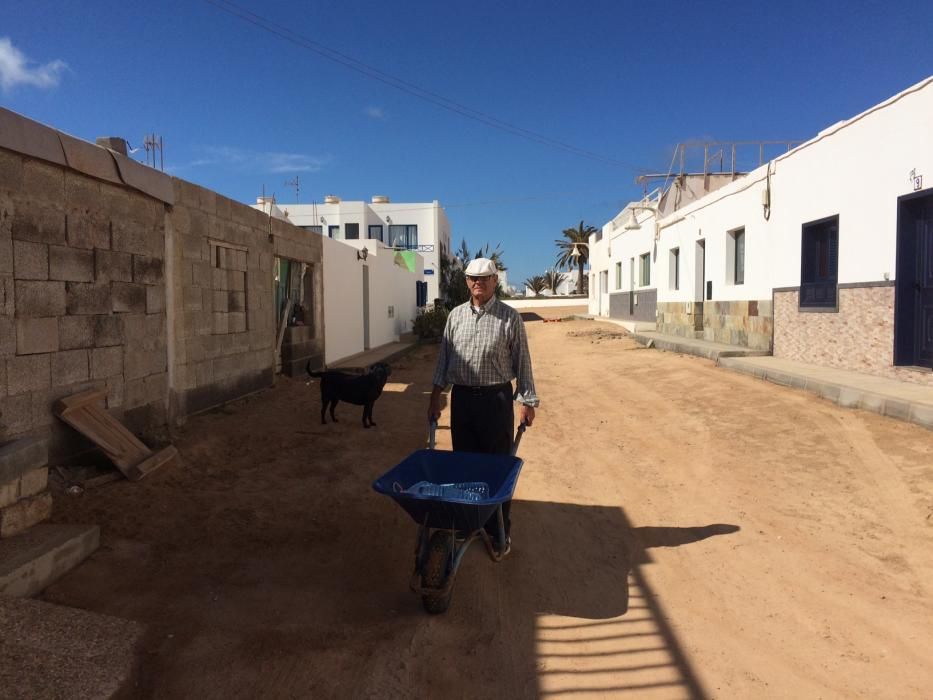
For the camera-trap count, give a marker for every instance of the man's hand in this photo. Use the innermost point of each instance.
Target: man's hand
(434, 405)
(527, 415)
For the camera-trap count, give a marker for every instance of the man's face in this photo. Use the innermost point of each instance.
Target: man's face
(481, 288)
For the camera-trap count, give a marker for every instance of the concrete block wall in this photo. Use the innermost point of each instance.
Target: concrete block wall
(222, 296)
(81, 302)
(859, 336)
(24, 497)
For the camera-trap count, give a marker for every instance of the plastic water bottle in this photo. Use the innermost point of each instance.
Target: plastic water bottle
(465, 491)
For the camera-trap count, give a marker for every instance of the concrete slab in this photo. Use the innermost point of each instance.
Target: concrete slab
(889, 397)
(21, 456)
(33, 559)
(50, 651)
(694, 346)
(384, 353)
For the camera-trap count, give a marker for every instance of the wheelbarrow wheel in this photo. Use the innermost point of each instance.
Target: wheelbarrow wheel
(435, 572)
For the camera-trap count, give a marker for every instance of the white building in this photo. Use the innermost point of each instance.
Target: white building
(824, 254)
(422, 228)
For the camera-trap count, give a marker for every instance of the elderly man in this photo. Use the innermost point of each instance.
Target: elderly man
(483, 348)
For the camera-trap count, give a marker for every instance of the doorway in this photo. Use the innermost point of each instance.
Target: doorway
(913, 290)
(699, 291)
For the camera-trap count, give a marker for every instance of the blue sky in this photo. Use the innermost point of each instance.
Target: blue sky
(240, 108)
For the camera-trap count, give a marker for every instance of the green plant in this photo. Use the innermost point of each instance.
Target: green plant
(576, 238)
(429, 325)
(536, 284)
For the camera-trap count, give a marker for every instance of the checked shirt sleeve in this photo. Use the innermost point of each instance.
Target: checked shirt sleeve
(521, 365)
(443, 357)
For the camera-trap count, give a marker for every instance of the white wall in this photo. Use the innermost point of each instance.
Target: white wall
(390, 284)
(430, 218)
(620, 245)
(856, 170)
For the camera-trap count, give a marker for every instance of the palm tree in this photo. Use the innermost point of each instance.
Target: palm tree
(536, 284)
(574, 238)
(553, 279)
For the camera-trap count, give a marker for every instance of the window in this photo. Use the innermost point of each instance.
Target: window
(674, 273)
(333, 231)
(405, 237)
(352, 232)
(313, 229)
(645, 270)
(735, 257)
(819, 263)
(375, 232)
(618, 275)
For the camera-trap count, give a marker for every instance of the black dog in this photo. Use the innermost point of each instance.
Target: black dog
(359, 389)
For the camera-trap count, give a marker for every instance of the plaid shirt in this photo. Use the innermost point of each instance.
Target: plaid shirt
(486, 346)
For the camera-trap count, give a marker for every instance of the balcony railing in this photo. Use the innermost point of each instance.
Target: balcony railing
(421, 248)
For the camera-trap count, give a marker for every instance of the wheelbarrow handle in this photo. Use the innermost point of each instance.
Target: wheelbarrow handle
(432, 430)
(522, 427)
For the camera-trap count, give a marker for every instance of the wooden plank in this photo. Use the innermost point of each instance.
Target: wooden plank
(153, 462)
(78, 400)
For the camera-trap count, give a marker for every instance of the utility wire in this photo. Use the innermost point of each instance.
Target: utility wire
(405, 86)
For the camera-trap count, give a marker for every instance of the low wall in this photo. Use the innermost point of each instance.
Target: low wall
(859, 336)
(743, 323)
(645, 308)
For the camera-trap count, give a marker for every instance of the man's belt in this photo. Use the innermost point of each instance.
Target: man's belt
(485, 389)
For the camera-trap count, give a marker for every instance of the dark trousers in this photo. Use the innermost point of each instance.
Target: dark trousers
(481, 420)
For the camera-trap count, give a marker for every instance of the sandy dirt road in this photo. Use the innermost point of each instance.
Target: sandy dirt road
(679, 531)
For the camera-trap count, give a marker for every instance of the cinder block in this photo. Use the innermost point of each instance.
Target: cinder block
(15, 414)
(106, 362)
(36, 335)
(108, 330)
(85, 230)
(22, 456)
(71, 264)
(85, 298)
(76, 332)
(115, 388)
(39, 298)
(220, 301)
(218, 279)
(155, 299)
(220, 323)
(43, 180)
(69, 367)
(113, 266)
(9, 493)
(128, 297)
(82, 192)
(11, 170)
(39, 224)
(32, 561)
(193, 298)
(147, 270)
(236, 322)
(236, 301)
(25, 373)
(33, 482)
(236, 280)
(24, 514)
(133, 237)
(191, 246)
(30, 260)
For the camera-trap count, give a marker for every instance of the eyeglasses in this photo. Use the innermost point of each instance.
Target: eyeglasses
(483, 279)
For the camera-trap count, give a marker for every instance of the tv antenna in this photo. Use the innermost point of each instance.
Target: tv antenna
(296, 183)
(152, 144)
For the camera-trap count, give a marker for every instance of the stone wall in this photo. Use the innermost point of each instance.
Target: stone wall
(82, 299)
(859, 336)
(620, 305)
(222, 316)
(744, 323)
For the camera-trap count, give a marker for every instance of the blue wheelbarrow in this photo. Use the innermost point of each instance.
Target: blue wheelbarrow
(450, 496)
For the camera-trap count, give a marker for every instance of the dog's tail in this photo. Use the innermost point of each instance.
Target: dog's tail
(312, 373)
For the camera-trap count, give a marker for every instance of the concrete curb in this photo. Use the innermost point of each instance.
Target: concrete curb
(843, 395)
(42, 554)
(685, 347)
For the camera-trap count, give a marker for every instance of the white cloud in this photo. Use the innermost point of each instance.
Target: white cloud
(16, 69)
(375, 112)
(256, 161)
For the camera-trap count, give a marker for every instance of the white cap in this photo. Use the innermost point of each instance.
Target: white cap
(481, 267)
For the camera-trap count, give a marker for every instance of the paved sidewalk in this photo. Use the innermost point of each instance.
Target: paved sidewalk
(889, 397)
(384, 353)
